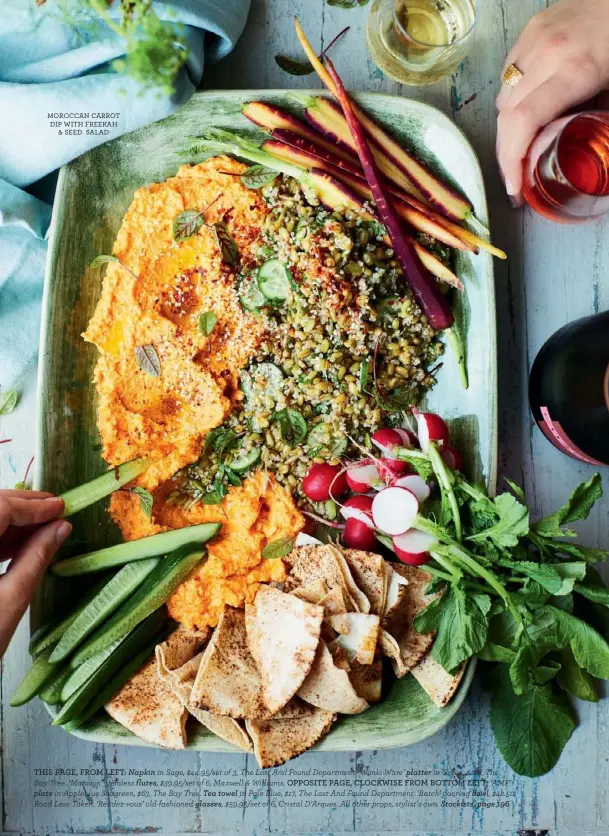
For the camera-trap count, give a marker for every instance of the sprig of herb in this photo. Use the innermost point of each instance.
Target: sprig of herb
(189, 222)
(148, 360)
(146, 499)
(278, 548)
(292, 424)
(207, 322)
(8, 401)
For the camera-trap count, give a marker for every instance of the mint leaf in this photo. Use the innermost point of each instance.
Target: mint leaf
(573, 679)
(148, 360)
(590, 649)
(531, 730)
(146, 500)
(513, 523)
(8, 401)
(278, 548)
(293, 426)
(460, 621)
(580, 503)
(220, 441)
(207, 322)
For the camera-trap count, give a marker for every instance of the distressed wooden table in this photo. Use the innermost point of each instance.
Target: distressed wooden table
(553, 275)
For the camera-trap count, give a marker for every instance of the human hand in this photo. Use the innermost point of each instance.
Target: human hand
(564, 55)
(30, 535)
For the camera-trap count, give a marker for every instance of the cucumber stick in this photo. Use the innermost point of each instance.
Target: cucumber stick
(49, 635)
(51, 693)
(151, 595)
(109, 599)
(122, 655)
(157, 544)
(39, 673)
(80, 674)
(91, 492)
(130, 667)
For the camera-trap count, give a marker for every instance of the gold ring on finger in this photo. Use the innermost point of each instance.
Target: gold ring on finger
(512, 76)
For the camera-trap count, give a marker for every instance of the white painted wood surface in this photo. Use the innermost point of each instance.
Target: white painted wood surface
(554, 274)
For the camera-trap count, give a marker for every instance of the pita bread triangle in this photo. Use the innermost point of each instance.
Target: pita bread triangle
(278, 740)
(329, 687)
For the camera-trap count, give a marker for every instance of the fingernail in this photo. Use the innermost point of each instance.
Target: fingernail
(62, 531)
(52, 499)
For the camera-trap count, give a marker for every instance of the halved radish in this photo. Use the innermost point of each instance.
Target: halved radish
(413, 547)
(430, 427)
(452, 457)
(407, 438)
(363, 476)
(324, 481)
(394, 510)
(413, 482)
(387, 440)
(359, 508)
(359, 535)
(388, 469)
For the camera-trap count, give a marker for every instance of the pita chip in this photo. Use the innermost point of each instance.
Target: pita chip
(334, 602)
(278, 740)
(329, 687)
(438, 684)
(357, 635)
(179, 673)
(282, 634)
(148, 707)
(312, 593)
(228, 681)
(311, 564)
(361, 601)
(398, 624)
(367, 680)
(370, 574)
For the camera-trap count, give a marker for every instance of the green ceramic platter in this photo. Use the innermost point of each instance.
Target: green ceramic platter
(93, 193)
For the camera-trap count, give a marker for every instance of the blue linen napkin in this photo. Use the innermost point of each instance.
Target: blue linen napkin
(48, 71)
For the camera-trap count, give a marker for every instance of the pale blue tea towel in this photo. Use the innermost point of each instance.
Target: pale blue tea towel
(59, 97)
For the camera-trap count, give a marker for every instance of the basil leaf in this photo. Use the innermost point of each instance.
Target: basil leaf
(258, 176)
(590, 649)
(8, 401)
(293, 66)
(104, 259)
(513, 523)
(531, 730)
(187, 224)
(278, 548)
(226, 243)
(573, 679)
(207, 322)
(146, 500)
(148, 360)
(580, 503)
(293, 426)
(461, 623)
(593, 588)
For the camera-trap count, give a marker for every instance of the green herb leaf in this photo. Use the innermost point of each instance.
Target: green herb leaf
(525, 670)
(220, 440)
(573, 679)
(418, 461)
(146, 500)
(148, 360)
(187, 224)
(258, 176)
(530, 730)
(212, 498)
(226, 243)
(348, 4)
(593, 588)
(513, 523)
(590, 649)
(580, 503)
(517, 490)
(556, 578)
(293, 426)
(278, 548)
(293, 66)
(8, 401)
(461, 623)
(207, 322)
(586, 553)
(104, 259)
(497, 653)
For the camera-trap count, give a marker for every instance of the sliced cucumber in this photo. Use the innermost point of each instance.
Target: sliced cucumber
(38, 675)
(48, 636)
(129, 668)
(264, 376)
(79, 675)
(157, 544)
(245, 461)
(122, 655)
(91, 492)
(151, 595)
(274, 280)
(51, 693)
(321, 440)
(109, 599)
(250, 295)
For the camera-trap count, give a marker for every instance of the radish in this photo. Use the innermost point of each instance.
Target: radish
(388, 469)
(452, 457)
(413, 547)
(358, 508)
(363, 476)
(408, 439)
(323, 480)
(414, 483)
(359, 535)
(387, 440)
(394, 510)
(431, 301)
(430, 427)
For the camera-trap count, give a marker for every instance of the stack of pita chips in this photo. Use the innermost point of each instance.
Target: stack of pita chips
(273, 678)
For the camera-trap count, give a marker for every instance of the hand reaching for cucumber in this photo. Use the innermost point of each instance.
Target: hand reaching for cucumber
(30, 535)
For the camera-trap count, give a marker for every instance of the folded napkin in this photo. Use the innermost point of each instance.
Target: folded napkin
(52, 72)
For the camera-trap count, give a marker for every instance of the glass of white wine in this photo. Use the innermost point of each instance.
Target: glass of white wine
(420, 41)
